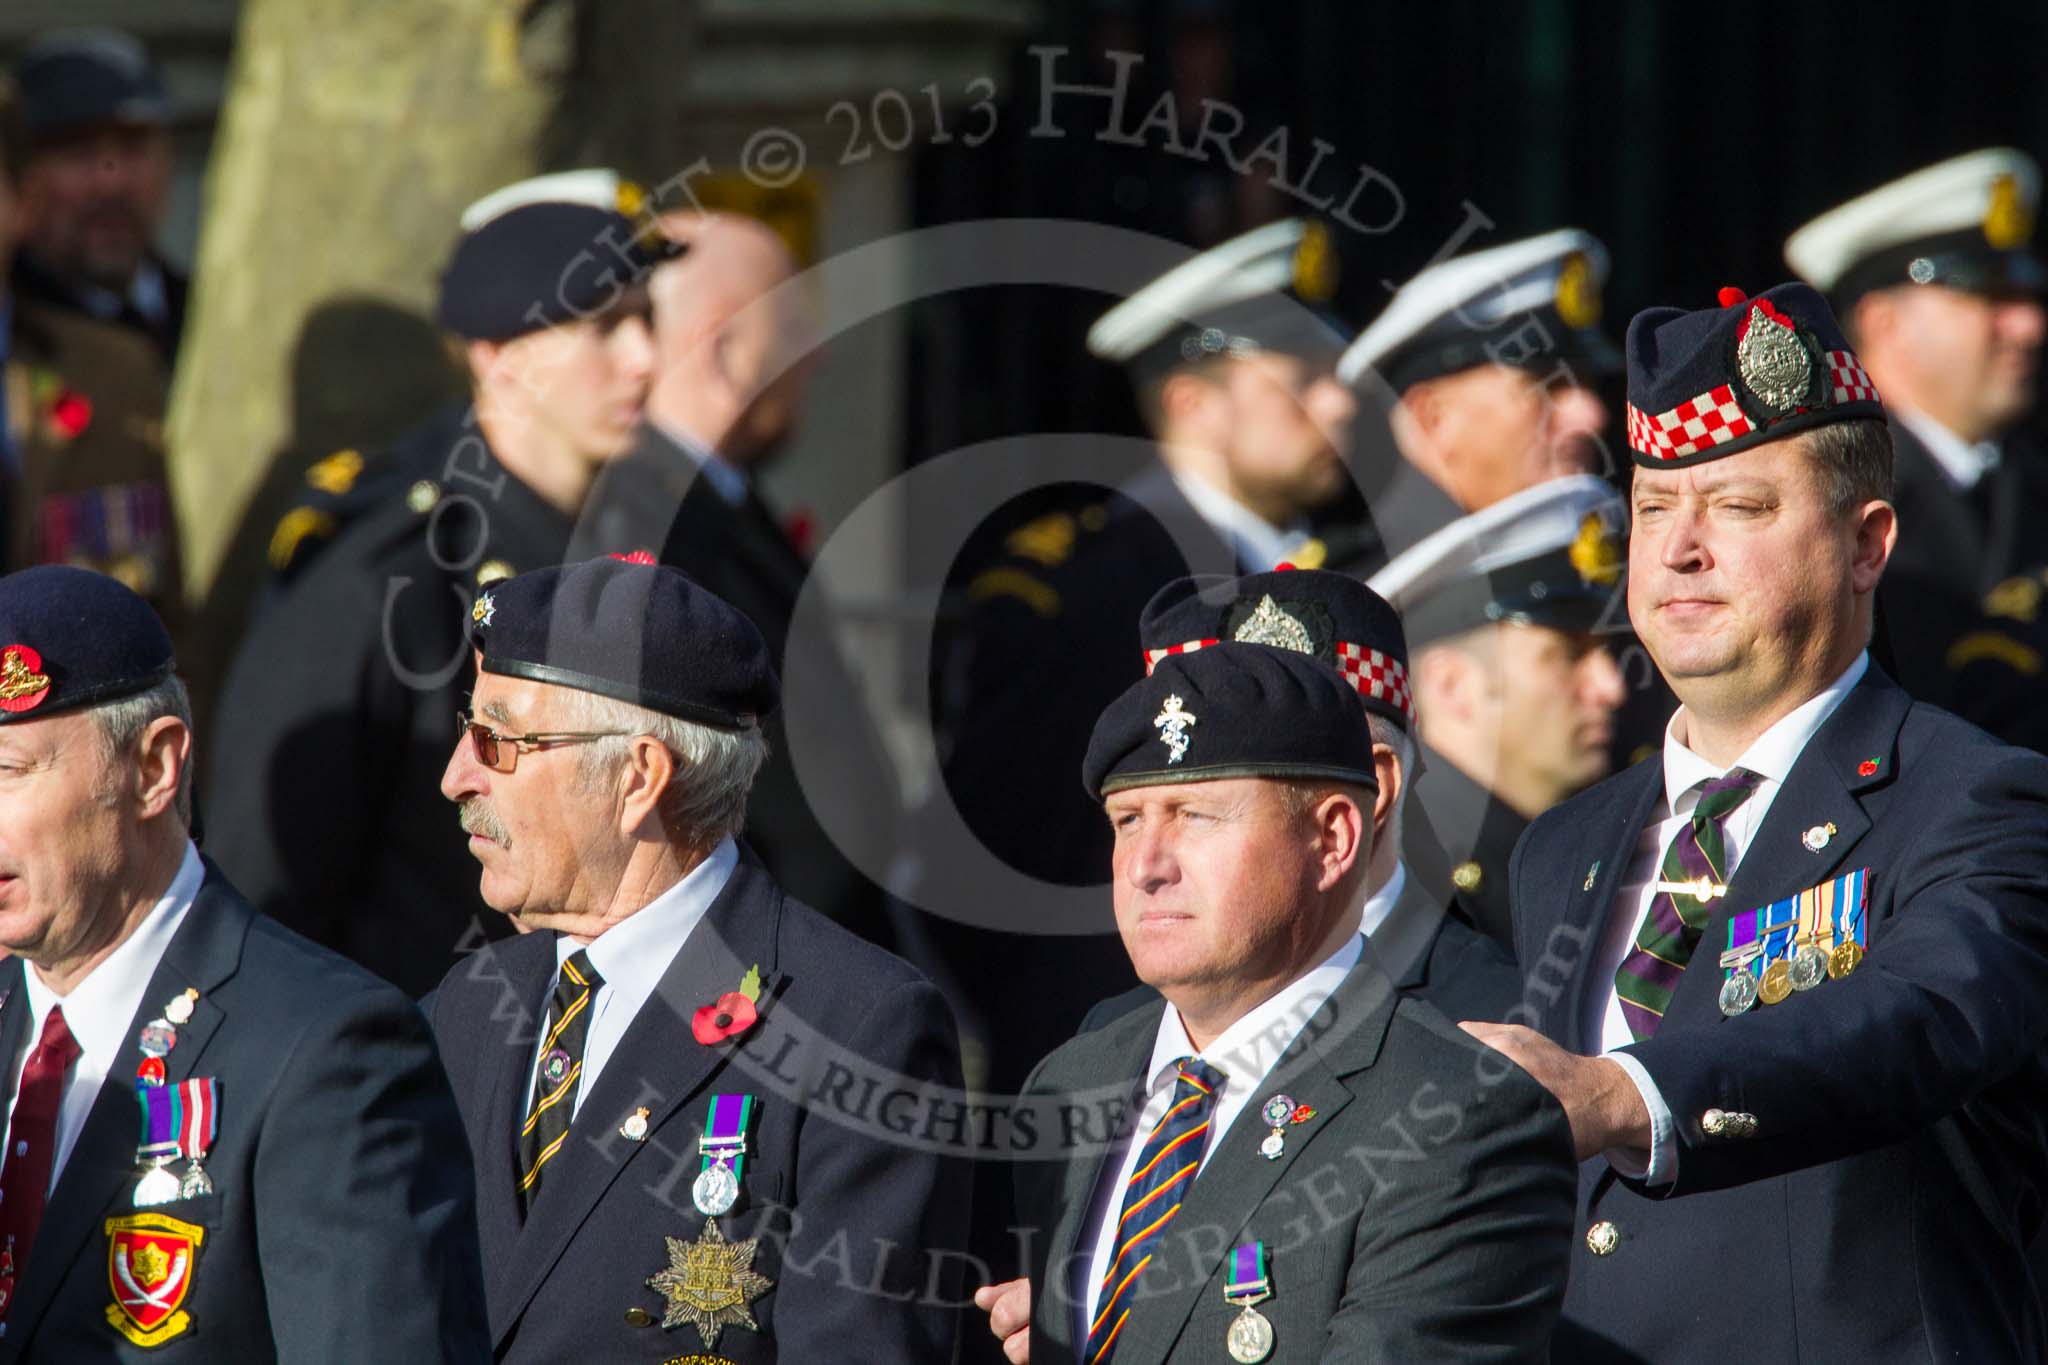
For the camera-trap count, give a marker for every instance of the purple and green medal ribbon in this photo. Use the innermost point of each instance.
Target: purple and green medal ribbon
(1742, 937)
(725, 1133)
(1246, 1277)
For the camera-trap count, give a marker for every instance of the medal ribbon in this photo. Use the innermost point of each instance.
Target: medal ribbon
(725, 1132)
(1743, 950)
(196, 1106)
(1775, 925)
(1853, 900)
(1246, 1279)
(159, 1120)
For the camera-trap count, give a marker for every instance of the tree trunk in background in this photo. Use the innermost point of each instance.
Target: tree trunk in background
(353, 133)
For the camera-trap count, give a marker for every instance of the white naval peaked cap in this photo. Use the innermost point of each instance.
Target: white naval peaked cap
(1981, 200)
(598, 187)
(1450, 316)
(1547, 551)
(1250, 266)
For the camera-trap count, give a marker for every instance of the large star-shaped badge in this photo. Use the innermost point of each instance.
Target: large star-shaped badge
(710, 1282)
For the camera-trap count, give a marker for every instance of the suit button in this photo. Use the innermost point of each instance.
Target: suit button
(1602, 1238)
(638, 1317)
(1714, 1122)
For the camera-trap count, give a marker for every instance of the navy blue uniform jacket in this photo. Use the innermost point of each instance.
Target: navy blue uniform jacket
(849, 1183)
(1896, 1170)
(342, 1228)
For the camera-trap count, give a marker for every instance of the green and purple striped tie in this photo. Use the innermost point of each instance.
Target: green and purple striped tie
(1671, 930)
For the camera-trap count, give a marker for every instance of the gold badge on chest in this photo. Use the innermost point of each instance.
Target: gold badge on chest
(710, 1283)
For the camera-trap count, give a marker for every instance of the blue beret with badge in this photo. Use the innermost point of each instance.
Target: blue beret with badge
(546, 252)
(628, 628)
(1709, 382)
(72, 638)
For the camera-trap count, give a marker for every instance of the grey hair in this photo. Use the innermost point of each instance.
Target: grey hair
(121, 723)
(715, 769)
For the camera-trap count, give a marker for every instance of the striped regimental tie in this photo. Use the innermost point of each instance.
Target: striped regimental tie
(1671, 930)
(556, 1073)
(1159, 1182)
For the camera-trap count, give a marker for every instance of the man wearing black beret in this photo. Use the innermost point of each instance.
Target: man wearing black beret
(223, 1143)
(699, 1109)
(1251, 1204)
(1789, 977)
(322, 800)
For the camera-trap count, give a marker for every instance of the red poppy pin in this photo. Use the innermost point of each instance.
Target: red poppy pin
(1867, 768)
(731, 1014)
(70, 414)
(635, 557)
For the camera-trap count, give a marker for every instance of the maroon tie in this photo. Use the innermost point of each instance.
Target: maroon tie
(32, 1149)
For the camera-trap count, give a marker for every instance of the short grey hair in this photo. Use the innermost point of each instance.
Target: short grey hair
(121, 723)
(715, 769)
(1397, 738)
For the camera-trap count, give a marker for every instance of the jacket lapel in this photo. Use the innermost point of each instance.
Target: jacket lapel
(1824, 788)
(205, 952)
(658, 1065)
(1119, 1050)
(1340, 1041)
(1574, 940)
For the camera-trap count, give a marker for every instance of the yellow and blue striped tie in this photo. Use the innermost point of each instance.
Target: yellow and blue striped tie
(556, 1073)
(1152, 1196)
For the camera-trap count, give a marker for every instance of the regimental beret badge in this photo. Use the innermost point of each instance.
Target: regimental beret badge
(23, 684)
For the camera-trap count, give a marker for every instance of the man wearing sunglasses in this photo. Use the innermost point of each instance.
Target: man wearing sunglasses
(709, 1123)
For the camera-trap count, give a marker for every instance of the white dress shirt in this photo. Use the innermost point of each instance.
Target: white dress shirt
(1771, 757)
(101, 1008)
(1381, 903)
(1962, 462)
(1255, 540)
(631, 956)
(1245, 1053)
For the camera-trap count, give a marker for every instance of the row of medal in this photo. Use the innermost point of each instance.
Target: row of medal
(1796, 943)
(709, 1283)
(178, 1121)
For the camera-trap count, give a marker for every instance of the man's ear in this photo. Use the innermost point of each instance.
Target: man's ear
(161, 756)
(1877, 532)
(1386, 763)
(645, 778)
(1343, 838)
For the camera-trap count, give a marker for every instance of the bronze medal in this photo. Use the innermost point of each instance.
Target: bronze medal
(1846, 958)
(1777, 983)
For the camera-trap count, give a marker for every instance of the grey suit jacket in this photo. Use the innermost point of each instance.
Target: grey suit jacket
(343, 1224)
(1423, 1214)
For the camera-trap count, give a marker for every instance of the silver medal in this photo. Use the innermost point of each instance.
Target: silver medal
(715, 1190)
(1738, 993)
(196, 1182)
(157, 1186)
(1251, 1337)
(1809, 968)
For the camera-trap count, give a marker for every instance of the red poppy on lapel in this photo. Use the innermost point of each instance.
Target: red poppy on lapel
(70, 415)
(731, 1014)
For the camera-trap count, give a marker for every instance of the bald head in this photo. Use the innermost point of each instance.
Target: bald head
(733, 331)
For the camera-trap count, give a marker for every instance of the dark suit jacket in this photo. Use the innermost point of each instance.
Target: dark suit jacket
(1421, 1215)
(1899, 1157)
(343, 1226)
(657, 499)
(848, 1190)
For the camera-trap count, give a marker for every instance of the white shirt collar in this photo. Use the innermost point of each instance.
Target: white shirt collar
(1772, 754)
(100, 1008)
(1380, 904)
(1257, 541)
(1248, 1049)
(726, 478)
(1962, 462)
(632, 954)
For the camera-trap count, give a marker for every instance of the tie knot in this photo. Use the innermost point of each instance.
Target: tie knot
(1722, 794)
(577, 977)
(1192, 1073)
(57, 1040)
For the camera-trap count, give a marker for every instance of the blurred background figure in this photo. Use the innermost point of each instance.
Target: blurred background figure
(1235, 374)
(97, 184)
(734, 350)
(1486, 366)
(1511, 613)
(1938, 289)
(82, 477)
(337, 714)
